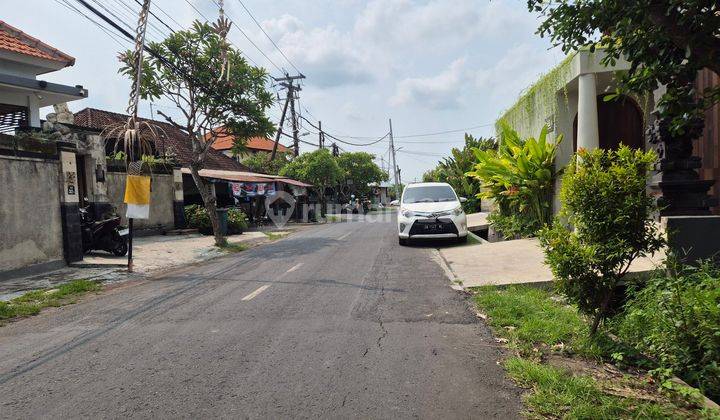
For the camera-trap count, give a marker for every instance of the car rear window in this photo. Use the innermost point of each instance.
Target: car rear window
(429, 194)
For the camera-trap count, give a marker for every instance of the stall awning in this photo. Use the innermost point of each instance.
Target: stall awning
(235, 176)
(239, 176)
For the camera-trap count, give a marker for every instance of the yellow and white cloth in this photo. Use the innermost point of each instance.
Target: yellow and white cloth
(137, 197)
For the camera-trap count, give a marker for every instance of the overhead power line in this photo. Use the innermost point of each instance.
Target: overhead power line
(341, 140)
(268, 36)
(437, 133)
(118, 40)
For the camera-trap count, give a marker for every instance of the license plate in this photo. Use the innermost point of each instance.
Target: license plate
(431, 227)
(123, 232)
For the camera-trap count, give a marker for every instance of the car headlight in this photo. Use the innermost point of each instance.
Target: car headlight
(407, 213)
(458, 211)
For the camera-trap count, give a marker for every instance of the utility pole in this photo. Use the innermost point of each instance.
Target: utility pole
(321, 135)
(288, 82)
(394, 163)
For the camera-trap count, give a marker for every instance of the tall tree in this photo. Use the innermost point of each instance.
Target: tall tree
(212, 85)
(318, 168)
(453, 170)
(360, 169)
(666, 41)
(260, 162)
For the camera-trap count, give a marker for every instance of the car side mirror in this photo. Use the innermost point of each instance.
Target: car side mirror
(463, 199)
(394, 203)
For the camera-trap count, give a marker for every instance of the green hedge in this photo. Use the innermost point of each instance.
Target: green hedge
(197, 218)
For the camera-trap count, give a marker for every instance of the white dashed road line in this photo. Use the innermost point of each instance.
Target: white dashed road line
(256, 292)
(344, 236)
(295, 267)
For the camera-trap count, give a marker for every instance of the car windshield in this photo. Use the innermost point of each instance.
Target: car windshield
(429, 194)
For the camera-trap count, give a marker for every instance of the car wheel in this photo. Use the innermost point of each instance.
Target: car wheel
(403, 241)
(461, 240)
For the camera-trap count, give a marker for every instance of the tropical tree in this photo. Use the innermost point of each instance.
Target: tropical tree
(666, 41)
(454, 169)
(260, 162)
(519, 176)
(318, 168)
(359, 170)
(212, 85)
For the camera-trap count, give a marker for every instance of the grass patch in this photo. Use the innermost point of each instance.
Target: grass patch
(333, 219)
(559, 394)
(542, 329)
(235, 247)
(275, 236)
(472, 240)
(32, 302)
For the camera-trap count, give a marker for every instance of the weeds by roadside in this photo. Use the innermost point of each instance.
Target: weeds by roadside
(564, 366)
(275, 236)
(32, 303)
(235, 247)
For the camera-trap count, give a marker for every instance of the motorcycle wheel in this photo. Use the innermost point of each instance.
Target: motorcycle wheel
(121, 248)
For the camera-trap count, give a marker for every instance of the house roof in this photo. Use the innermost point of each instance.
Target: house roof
(239, 176)
(17, 41)
(257, 143)
(174, 138)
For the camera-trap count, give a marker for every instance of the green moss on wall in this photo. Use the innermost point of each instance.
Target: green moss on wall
(540, 98)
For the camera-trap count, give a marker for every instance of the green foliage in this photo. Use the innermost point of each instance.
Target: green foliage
(260, 162)
(453, 170)
(603, 196)
(237, 221)
(193, 83)
(32, 302)
(519, 176)
(675, 319)
(319, 168)
(360, 169)
(197, 218)
(666, 41)
(557, 393)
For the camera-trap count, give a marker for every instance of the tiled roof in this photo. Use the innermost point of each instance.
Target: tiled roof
(258, 143)
(176, 139)
(17, 41)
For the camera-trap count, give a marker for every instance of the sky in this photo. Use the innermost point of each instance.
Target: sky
(430, 66)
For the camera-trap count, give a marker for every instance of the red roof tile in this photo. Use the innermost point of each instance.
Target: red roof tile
(176, 139)
(17, 41)
(258, 143)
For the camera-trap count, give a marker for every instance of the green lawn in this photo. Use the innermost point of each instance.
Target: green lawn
(540, 328)
(32, 302)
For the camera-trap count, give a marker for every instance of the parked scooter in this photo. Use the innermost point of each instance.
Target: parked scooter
(106, 235)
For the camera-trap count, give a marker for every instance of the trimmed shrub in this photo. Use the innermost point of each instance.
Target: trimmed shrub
(603, 197)
(197, 218)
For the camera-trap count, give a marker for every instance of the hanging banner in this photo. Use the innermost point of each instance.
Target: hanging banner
(137, 197)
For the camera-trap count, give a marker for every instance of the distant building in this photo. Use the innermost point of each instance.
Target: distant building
(225, 143)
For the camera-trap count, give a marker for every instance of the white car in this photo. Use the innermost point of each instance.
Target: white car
(430, 210)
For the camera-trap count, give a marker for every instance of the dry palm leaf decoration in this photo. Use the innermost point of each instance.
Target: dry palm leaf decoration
(135, 135)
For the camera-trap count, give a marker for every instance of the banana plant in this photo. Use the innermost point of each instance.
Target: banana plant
(519, 175)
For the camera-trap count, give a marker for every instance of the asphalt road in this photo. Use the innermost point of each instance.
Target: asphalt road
(336, 321)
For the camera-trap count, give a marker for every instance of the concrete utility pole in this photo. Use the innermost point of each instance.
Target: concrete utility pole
(321, 135)
(396, 177)
(288, 83)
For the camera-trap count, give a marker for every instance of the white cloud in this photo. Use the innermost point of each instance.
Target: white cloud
(442, 91)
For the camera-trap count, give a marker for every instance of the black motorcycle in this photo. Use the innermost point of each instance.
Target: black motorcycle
(106, 235)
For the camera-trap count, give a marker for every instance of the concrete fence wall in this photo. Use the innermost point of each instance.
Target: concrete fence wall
(31, 230)
(162, 215)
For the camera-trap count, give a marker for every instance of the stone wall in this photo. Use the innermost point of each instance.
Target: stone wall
(162, 215)
(31, 230)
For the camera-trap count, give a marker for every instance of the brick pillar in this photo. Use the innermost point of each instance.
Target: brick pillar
(69, 203)
(179, 200)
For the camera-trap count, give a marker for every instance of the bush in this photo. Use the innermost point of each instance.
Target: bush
(237, 221)
(603, 196)
(519, 176)
(675, 319)
(197, 218)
